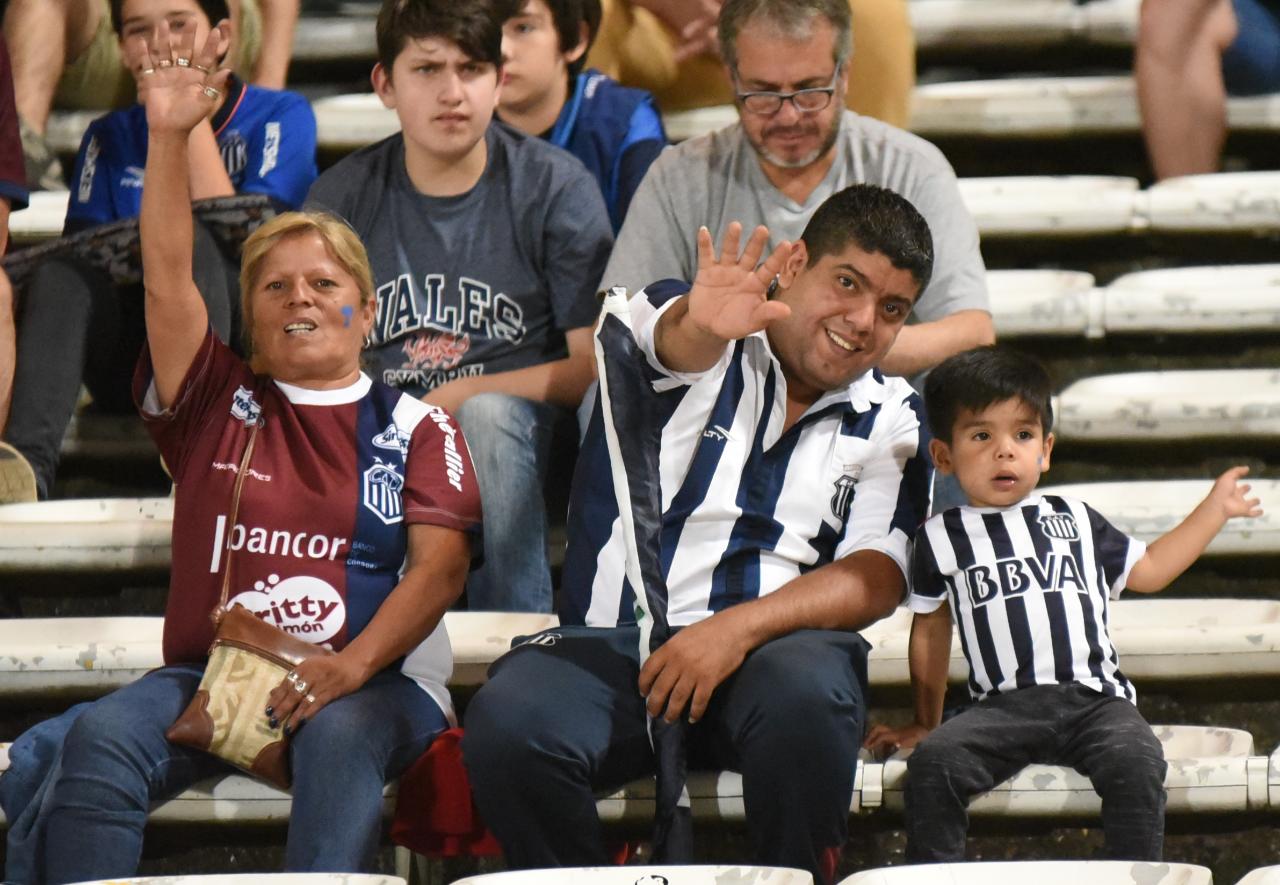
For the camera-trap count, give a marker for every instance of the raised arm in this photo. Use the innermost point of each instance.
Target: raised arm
(1173, 552)
(729, 300)
(929, 656)
(179, 91)
(279, 18)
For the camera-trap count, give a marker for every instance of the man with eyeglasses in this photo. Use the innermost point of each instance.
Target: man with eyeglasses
(793, 147)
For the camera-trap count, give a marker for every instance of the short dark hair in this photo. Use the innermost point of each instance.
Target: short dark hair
(568, 16)
(791, 18)
(978, 378)
(214, 10)
(875, 220)
(474, 25)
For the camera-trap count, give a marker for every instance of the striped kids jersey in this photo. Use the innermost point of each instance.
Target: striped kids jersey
(746, 507)
(1029, 587)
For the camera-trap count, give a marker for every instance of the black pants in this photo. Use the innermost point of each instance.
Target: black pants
(76, 325)
(558, 721)
(1104, 738)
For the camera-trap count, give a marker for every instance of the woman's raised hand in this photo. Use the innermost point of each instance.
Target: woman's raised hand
(179, 85)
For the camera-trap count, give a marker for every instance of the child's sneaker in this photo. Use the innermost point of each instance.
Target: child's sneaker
(17, 479)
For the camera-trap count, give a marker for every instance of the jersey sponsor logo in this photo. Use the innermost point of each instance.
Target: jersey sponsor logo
(235, 154)
(1059, 525)
(716, 432)
(470, 308)
(843, 498)
(235, 468)
(393, 438)
(270, 148)
(382, 487)
(1017, 575)
(272, 542)
(302, 605)
(87, 171)
(133, 177)
(245, 407)
(454, 468)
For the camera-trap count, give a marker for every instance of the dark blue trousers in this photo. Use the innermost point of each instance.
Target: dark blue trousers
(1103, 737)
(561, 719)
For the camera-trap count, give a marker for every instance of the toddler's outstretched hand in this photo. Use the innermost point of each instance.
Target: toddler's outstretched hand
(1229, 492)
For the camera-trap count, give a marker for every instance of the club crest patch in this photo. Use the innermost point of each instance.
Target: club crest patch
(382, 485)
(1059, 525)
(244, 407)
(843, 498)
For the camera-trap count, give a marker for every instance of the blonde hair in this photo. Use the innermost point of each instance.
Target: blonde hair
(342, 242)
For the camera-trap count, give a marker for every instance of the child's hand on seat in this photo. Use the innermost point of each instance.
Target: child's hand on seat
(1229, 493)
(884, 741)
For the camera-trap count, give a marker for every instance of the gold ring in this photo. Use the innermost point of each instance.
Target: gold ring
(311, 699)
(201, 68)
(164, 63)
(182, 62)
(212, 93)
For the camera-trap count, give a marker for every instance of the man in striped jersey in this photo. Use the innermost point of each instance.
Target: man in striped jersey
(1028, 578)
(792, 475)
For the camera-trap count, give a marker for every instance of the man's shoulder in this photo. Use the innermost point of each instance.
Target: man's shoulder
(354, 171)
(874, 138)
(262, 100)
(527, 156)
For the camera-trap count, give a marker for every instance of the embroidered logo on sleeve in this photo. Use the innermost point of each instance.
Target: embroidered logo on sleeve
(393, 438)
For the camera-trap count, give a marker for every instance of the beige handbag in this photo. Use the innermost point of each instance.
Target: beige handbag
(247, 660)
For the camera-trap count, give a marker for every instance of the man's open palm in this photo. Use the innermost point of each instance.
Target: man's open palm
(729, 298)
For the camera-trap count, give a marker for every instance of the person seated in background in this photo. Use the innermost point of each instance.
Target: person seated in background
(669, 48)
(1028, 578)
(615, 131)
(486, 246)
(1190, 55)
(294, 429)
(66, 55)
(75, 324)
(16, 479)
(793, 147)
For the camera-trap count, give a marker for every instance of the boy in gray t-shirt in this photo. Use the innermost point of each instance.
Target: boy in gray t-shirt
(486, 246)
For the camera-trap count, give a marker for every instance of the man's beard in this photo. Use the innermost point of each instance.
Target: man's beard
(811, 157)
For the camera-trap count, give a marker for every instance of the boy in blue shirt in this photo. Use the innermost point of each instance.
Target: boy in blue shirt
(1029, 578)
(614, 130)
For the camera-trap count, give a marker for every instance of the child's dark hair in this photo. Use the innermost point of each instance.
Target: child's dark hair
(568, 16)
(978, 378)
(214, 10)
(875, 220)
(474, 25)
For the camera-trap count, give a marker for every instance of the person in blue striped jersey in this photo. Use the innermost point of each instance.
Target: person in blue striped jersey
(792, 474)
(1028, 578)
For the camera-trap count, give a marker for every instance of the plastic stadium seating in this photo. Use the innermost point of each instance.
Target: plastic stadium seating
(1148, 509)
(1224, 298)
(99, 535)
(1043, 872)
(1171, 405)
(646, 875)
(1042, 302)
(258, 879)
(1262, 876)
(1022, 24)
(1051, 206)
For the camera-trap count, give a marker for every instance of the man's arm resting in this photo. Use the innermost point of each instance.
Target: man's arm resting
(847, 594)
(563, 381)
(922, 346)
(929, 656)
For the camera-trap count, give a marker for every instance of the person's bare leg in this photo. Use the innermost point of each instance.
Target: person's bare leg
(43, 37)
(8, 346)
(1178, 68)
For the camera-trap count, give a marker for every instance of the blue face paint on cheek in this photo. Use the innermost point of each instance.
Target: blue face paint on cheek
(347, 311)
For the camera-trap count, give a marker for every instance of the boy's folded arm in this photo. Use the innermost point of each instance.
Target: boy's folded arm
(1173, 552)
(929, 657)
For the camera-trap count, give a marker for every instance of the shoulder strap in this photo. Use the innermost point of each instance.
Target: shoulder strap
(234, 513)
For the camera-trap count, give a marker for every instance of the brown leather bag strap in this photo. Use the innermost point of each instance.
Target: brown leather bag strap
(235, 512)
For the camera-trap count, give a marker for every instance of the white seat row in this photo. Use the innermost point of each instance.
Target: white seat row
(1224, 298)
(1012, 206)
(1022, 24)
(1055, 107)
(52, 657)
(1042, 872)
(1159, 640)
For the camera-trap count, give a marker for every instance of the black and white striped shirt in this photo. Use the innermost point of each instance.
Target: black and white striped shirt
(1029, 587)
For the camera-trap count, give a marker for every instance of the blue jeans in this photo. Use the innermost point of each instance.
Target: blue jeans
(1251, 64)
(510, 442)
(95, 785)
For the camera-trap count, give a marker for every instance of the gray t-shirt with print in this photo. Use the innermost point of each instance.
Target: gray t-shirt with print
(483, 282)
(716, 179)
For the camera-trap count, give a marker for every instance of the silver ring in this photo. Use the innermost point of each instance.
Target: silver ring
(182, 62)
(164, 63)
(311, 699)
(300, 686)
(291, 676)
(212, 93)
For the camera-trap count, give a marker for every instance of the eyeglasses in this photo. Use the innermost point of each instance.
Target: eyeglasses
(806, 101)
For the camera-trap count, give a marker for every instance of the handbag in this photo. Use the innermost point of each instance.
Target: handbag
(247, 660)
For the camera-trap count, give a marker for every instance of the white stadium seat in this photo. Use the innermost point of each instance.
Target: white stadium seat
(1043, 302)
(1222, 202)
(1262, 876)
(1147, 509)
(257, 879)
(1050, 206)
(348, 122)
(646, 875)
(1041, 872)
(1222, 298)
(96, 535)
(1171, 405)
(42, 219)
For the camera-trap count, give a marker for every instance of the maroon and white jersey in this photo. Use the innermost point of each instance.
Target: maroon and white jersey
(335, 478)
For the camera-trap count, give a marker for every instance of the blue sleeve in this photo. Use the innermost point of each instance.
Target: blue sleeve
(282, 152)
(91, 202)
(1110, 546)
(645, 140)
